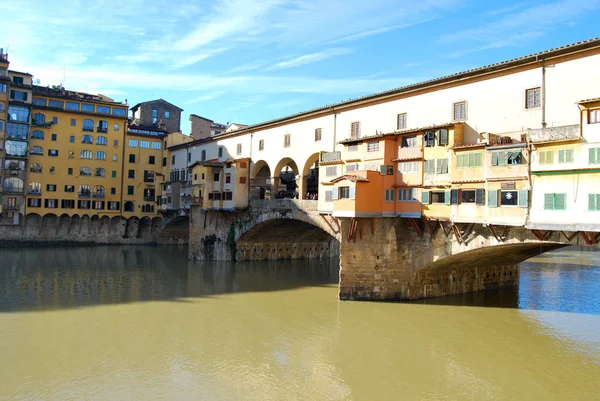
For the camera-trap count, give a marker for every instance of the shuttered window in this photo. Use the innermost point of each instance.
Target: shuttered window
(373, 147)
(480, 196)
(429, 138)
(317, 134)
(331, 171)
(443, 137)
(355, 129)
(468, 160)
(555, 201)
(407, 194)
(287, 140)
(408, 167)
(454, 196)
(493, 198)
(389, 195)
(328, 196)
(425, 197)
(401, 121)
(441, 166)
(459, 111)
(565, 156)
(429, 167)
(594, 202)
(594, 155)
(546, 157)
(506, 158)
(523, 198)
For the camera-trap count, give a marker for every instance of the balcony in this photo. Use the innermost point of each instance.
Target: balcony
(84, 194)
(43, 124)
(149, 198)
(12, 208)
(98, 195)
(412, 153)
(331, 156)
(34, 192)
(549, 134)
(102, 130)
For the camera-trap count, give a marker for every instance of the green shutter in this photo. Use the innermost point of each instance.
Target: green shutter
(495, 158)
(425, 197)
(503, 158)
(548, 201)
(459, 161)
(593, 156)
(592, 202)
(480, 196)
(454, 196)
(560, 201)
(447, 196)
(493, 198)
(523, 193)
(561, 156)
(443, 137)
(444, 166)
(542, 157)
(569, 155)
(478, 159)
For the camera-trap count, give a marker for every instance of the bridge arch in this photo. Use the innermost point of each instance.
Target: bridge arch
(260, 180)
(309, 186)
(284, 181)
(176, 230)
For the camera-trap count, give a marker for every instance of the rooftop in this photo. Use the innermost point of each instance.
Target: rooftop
(62, 93)
(134, 108)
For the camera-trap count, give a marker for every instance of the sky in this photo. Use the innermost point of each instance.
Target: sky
(248, 61)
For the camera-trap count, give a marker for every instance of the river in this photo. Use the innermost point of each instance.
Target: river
(143, 323)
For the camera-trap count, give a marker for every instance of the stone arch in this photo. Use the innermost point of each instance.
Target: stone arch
(285, 181)
(144, 228)
(75, 224)
(176, 231)
(84, 226)
(115, 226)
(49, 225)
(131, 228)
(310, 177)
(33, 224)
(104, 229)
(64, 225)
(94, 224)
(260, 180)
(157, 224)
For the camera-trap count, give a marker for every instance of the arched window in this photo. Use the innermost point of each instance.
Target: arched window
(85, 171)
(88, 125)
(98, 191)
(35, 168)
(129, 206)
(101, 141)
(100, 155)
(39, 119)
(86, 154)
(37, 134)
(35, 188)
(36, 150)
(87, 139)
(147, 208)
(102, 126)
(84, 190)
(100, 172)
(13, 184)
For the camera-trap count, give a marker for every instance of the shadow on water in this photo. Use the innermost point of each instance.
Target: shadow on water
(57, 278)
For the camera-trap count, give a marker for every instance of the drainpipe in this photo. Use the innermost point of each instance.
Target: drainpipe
(248, 171)
(334, 128)
(543, 93)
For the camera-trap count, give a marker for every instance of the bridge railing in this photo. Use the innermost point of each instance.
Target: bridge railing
(301, 204)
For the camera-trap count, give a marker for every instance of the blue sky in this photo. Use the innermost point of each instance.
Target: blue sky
(252, 60)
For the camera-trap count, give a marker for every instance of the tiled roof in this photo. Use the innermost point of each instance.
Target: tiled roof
(595, 99)
(397, 132)
(469, 145)
(350, 177)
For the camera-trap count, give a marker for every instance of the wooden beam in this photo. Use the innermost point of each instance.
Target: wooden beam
(593, 239)
(361, 228)
(457, 233)
(569, 238)
(585, 237)
(427, 226)
(415, 225)
(328, 223)
(491, 227)
(372, 226)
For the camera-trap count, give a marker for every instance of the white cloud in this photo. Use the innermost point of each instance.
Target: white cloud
(205, 98)
(311, 58)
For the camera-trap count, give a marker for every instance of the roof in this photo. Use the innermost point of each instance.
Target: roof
(203, 118)
(19, 72)
(397, 132)
(134, 108)
(206, 163)
(514, 62)
(63, 93)
(469, 146)
(350, 177)
(592, 100)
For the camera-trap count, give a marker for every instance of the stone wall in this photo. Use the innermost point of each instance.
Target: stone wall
(85, 229)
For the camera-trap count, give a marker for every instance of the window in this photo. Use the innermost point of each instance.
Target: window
(408, 167)
(594, 202)
(409, 141)
(115, 157)
(443, 137)
(407, 194)
(118, 112)
(507, 158)
(167, 115)
(3, 89)
(54, 137)
(401, 121)
(98, 205)
(467, 196)
(113, 191)
(13, 184)
(113, 205)
(555, 201)
(533, 98)
(317, 134)
(437, 166)
(35, 168)
(51, 203)
(355, 130)
(130, 190)
(509, 198)
(389, 195)
(594, 116)
(18, 95)
(20, 114)
(189, 157)
(85, 154)
(84, 190)
(51, 187)
(70, 171)
(227, 178)
(151, 159)
(37, 134)
(54, 120)
(73, 122)
(35, 188)
(67, 203)
(239, 149)
(373, 147)
(331, 171)
(100, 155)
(2, 125)
(87, 139)
(261, 144)
(103, 109)
(72, 139)
(468, 160)
(114, 174)
(156, 145)
(17, 131)
(85, 171)
(216, 177)
(545, 157)
(52, 152)
(131, 174)
(88, 125)
(129, 207)
(154, 113)
(101, 141)
(38, 119)
(133, 143)
(459, 110)
(227, 195)
(344, 192)
(328, 196)
(594, 155)
(99, 172)
(59, 104)
(438, 197)
(72, 106)
(202, 156)
(131, 158)
(83, 204)
(287, 140)
(242, 180)
(36, 150)
(565, 156)
(18, 80)
(148, 176)
(34, 202)
(145, 144)
(164, 162)
(429, 138)
(99, 191)
(115, 127)
(351, 167)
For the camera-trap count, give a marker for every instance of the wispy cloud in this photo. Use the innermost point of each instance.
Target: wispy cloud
(205, 98)
(311, 58)
(193, 59)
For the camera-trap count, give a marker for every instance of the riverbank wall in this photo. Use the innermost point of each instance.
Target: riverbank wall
(84, 230)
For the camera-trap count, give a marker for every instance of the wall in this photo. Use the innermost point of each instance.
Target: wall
(144, 113)
(200, 127)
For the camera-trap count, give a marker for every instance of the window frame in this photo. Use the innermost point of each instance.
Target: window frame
(536, 99)
(456, 117)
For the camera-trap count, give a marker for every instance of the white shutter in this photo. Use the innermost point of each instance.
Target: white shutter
(352, 192)
(334, 193)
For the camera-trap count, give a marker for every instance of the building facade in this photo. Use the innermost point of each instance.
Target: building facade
(158, 114)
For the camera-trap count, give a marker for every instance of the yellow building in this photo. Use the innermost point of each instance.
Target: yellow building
(142, 171)
(220, 185)
(75, 153)
(4, 87)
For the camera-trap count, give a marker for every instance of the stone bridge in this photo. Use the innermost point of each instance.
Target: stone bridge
(380, 258)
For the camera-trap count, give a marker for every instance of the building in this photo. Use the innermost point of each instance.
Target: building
(76, 153)
(157, 114)
(4, 90)
(202, 127)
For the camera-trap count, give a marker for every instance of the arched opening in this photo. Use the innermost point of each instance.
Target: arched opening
(285, 239)
(285, 183)
(310, 178)
(176, 231)
(129, 206)
(260, 181)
